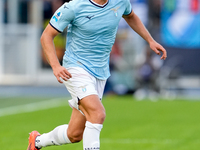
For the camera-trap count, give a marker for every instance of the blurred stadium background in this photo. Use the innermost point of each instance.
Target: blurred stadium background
(28, 88)
(134, 68)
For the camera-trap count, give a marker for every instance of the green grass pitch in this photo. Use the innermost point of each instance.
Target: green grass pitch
(129, 124)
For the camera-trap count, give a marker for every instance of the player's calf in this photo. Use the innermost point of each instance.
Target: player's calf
(75, 136)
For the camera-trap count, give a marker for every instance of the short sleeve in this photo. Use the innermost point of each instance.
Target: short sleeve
(62, 17)
(128, 9)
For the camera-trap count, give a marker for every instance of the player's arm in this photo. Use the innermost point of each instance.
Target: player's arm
(136, 24)
(50, 53)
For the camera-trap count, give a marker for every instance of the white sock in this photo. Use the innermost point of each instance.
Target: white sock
(58, 136)
(91, 136)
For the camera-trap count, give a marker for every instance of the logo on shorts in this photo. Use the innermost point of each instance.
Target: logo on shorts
(83, 88)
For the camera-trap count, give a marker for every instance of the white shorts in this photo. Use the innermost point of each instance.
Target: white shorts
(83, 84)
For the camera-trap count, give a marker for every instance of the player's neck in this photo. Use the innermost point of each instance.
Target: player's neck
(100, 2)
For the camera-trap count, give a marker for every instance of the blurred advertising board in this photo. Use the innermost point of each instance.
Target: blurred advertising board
(180, 23)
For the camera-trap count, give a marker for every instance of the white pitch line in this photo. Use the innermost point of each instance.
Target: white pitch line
(32, 107)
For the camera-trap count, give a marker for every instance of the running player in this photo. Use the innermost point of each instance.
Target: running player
(92, 27)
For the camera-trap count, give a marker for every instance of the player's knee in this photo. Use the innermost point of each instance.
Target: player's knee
(100, 115)
(103, 116)
(75, 136)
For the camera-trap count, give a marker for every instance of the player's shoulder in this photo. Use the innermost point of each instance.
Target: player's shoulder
(76, 5)
(71, 7)
(72, 2)
(125, 1)
(119, 1)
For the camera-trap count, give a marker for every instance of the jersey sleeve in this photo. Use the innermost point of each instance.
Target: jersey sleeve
(62, 17)
(128, 9)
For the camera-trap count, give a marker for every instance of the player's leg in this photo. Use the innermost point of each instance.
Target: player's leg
(63, 134)
(94, 111)
(86, 92)
(76, 126)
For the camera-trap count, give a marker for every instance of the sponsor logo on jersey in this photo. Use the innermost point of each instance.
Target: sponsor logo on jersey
(89, 17)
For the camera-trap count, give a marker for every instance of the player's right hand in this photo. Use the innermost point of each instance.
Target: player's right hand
(61, 72)
(157, 48)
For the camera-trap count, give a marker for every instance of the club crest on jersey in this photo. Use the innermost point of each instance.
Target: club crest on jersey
(57, 16)
(115, 10)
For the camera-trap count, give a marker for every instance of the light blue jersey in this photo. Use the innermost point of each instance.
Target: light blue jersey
(91, 33)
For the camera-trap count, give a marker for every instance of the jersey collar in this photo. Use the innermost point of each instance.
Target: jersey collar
(101, 6)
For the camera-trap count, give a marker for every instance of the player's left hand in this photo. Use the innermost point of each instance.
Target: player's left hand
(157, 48)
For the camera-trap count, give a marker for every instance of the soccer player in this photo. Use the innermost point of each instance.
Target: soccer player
(92, 27)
